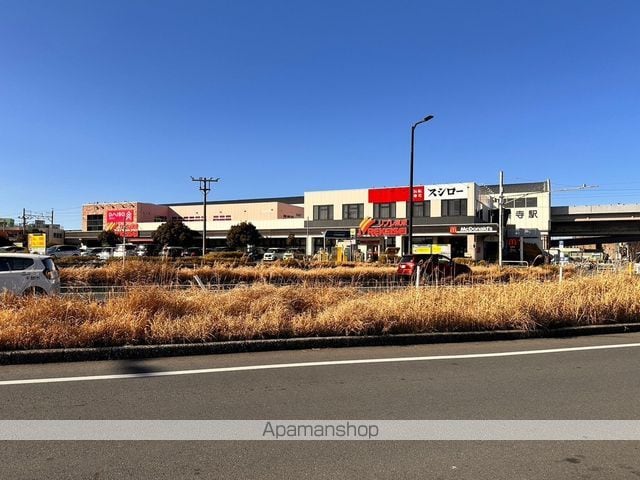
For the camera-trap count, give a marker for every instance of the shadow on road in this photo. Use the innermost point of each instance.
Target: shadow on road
(134, 366)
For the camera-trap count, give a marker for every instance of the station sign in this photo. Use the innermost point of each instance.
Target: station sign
(370, 227)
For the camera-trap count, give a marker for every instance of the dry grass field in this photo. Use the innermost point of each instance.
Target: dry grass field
(137, 272)
(158, 315)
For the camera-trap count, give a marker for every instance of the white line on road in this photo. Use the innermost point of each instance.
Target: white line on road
(329, 363)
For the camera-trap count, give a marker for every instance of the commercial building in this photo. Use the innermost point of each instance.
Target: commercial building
(463, 215)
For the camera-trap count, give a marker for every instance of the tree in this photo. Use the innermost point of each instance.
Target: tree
(243, 234)
(4, 240)
(173, 233)
(291, 240)
(109, 237)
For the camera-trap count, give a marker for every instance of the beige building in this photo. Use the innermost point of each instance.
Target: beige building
(371, 220)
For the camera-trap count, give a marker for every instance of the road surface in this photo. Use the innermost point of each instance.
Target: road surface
(563, 385)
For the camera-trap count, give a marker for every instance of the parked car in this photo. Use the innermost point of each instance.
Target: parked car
(274, 254)
(172, 252)
(147, 250)
(59, 251)
(124, 250)
(293, 253)
(432, 267)
(22, 273)
(13, 249)
(106, 253)
(91, 252)
(192, 252)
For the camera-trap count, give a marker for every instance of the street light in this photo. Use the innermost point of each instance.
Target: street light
(410, 215)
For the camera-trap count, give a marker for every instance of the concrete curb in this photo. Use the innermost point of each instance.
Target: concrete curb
(153, 351)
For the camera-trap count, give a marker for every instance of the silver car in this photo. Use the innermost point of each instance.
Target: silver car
(59, 251)
(22, 273)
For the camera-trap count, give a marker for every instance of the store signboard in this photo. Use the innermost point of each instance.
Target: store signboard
(127, 230)
(37, 243)
(395, 194)
(337, 234)
(432, 249)
(370, 227)
(471, 229)
(120, 216)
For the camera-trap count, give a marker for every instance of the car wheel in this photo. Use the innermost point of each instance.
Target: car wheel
(34, 292)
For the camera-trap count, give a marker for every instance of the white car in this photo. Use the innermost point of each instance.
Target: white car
(23, 273)
(126, 250)
(274, 254)
(106, 253)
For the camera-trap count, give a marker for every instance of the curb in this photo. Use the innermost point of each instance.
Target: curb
(16, 357)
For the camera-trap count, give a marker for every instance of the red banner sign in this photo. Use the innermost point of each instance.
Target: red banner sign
(127, 230)
(370, 227)
(395, 194)
(120, 216)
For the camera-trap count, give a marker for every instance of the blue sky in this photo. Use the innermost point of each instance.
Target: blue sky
(124, 100)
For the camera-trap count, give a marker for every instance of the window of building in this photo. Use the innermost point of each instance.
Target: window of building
(422, 209)
(95, 223)
(384, 210)
(454, 208)
(353, 211)
(160, 219)
(531, 202)
(323, 212)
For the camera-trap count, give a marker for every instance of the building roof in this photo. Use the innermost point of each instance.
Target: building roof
(535, 187)
(289, 200)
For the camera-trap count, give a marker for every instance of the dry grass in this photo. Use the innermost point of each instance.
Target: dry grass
(137, 272)
(152, 316)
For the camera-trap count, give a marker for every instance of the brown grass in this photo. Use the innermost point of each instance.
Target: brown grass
(138, 272)
(154, 316)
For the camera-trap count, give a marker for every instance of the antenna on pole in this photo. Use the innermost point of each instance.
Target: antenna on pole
(204, 187)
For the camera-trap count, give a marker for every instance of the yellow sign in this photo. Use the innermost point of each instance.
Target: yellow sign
(432, 249)
(37, 242)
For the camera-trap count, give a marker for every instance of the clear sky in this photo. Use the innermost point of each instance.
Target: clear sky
(125, 99)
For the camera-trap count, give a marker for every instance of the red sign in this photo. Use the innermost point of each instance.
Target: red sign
(120, 216)
(395, 194)
(127, 230)
(382, 228)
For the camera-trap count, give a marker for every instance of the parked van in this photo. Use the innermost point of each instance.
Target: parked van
(22, 273)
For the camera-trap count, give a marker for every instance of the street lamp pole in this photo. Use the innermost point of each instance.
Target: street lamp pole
(410, 213)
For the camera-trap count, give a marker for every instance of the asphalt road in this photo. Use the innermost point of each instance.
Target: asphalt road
(592, 384)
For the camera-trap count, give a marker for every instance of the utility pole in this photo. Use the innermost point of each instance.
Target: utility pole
(500, 216)
(24, 224)
(205, 187)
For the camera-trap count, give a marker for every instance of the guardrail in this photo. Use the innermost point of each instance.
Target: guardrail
(515, 263)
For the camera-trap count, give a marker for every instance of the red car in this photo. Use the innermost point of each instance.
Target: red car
(432, 267)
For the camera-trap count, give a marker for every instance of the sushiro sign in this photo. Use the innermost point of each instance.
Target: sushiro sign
(370, 227)
(447, 191)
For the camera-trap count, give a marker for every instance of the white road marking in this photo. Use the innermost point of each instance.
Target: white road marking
(329, 363)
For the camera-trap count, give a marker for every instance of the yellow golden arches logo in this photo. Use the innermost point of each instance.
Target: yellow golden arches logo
(365, 224)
